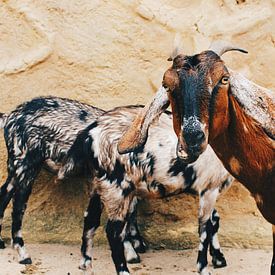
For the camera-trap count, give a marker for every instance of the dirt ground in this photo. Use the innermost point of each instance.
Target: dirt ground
(53, 259)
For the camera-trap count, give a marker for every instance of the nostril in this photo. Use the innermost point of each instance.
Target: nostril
(200, 137)
(194, 138)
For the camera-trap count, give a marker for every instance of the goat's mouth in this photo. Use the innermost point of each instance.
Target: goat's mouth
(189, 154)
(187, 157)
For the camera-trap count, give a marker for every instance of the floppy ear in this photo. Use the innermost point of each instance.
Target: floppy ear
(136, 136)
(256, 101)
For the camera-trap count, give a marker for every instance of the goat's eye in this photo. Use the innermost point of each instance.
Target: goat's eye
(165, 87)
(224, 80)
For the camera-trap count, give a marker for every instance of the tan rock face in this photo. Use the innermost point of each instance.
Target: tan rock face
(110, 53)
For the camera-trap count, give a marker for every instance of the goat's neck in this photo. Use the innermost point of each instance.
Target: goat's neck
(245, 149)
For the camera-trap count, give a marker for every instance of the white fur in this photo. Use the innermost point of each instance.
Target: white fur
(215, 241)
(22, 254)
(129, 251)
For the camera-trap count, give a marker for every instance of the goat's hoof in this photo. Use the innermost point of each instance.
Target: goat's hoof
(2, 244)
(219, 262)
(87, 269)
(141, 248)
(26, 261)
(134, 260)
(86, 265)
(204, 272)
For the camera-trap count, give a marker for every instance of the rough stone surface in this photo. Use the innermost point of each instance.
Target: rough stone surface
(111, 53)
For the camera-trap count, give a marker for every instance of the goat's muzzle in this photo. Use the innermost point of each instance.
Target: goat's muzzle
(191, 144)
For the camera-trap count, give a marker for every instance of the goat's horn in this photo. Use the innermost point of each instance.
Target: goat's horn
(175, 53)
(136, 136)
(221, 47)
(177, 47)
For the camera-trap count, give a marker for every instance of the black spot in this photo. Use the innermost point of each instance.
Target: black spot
(83, 115)
(117, 174)
(189, 175)
(80, 153)
(151, 163)
(134, 159)
(225, 184)
(159, 186)
(139, 149)
(148, 162)
(144, 178)
(18, 240)
(177, 166)
(203, 192)
(36, 104)
(129, 189)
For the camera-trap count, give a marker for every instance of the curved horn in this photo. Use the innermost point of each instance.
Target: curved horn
(136, 135)
(220, 47)
(174, 53)
(177, 47)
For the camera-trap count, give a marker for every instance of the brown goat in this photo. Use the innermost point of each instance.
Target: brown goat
(211, 104)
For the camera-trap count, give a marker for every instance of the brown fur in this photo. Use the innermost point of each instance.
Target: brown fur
(255, 152)
(239, 141)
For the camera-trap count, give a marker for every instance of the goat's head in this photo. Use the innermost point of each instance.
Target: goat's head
(197, 87)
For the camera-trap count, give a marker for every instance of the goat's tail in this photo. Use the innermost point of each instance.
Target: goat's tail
(3, 119)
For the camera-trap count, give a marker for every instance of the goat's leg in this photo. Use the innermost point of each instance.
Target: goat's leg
(91, 223)
(114, 232)
(133, 234)
(20, 200)
(119, 202)
(272, 272)
(118, 213)
(133, 242)
(218, 259)
(208, 199)
(6, 193)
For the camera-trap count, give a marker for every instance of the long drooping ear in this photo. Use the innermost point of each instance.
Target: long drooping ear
(256, 101)
(220, 47)
(136, 135)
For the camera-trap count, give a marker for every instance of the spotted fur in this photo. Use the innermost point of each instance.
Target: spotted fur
(151, 172)
(38, 134)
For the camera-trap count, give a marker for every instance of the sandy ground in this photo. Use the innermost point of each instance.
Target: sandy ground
(52, 259)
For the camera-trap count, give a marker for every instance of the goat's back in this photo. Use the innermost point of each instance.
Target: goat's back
(48, 125)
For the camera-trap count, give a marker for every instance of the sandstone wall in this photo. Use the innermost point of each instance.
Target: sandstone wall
(110, 53)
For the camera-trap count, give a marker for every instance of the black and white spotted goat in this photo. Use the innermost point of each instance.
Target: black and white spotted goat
(153, 171)
(39, 134)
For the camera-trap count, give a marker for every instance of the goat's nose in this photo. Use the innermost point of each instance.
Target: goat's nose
(194, 137)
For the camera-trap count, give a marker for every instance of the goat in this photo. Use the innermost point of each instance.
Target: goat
(38, 134)
(211, 104)
(154, 171)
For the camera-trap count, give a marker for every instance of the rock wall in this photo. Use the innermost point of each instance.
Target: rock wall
(110, 53)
